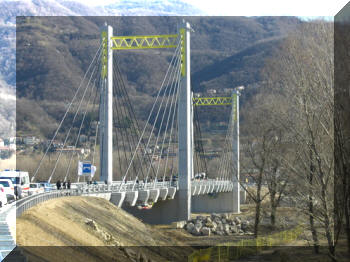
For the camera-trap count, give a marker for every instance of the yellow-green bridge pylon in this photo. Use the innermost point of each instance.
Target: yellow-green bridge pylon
(234, 119)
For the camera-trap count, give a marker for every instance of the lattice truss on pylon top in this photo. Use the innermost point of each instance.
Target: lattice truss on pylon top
(212, 101)
(144, 42)
(217, 101)
(225, 165)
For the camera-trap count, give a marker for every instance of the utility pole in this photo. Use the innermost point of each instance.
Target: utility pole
(106, 109)
(185, 127)
(235, 148)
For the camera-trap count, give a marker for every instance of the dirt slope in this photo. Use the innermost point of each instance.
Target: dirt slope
(91, 229)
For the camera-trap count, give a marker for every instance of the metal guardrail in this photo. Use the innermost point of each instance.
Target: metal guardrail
(84, 189)
(30, 201)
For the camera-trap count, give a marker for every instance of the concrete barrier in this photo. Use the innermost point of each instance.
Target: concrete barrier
(163, 193)
(118, 198)
(154, 195)
(143, 196)
(171, 192)
(222, 202)
(193, 190)
(131, 197)
(199, 190)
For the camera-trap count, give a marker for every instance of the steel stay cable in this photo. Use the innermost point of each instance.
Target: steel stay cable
(172, 127)
(118, 150)
(173, 144)
(228, 154)
(225, 159)
(160, 106)
(131, 110)
(65, 114)
(204, 162)
(172, 122)
(171, 130)
(96, 133)
(96, 128)
(224, 154)
(120, 117)
(196, 146)
(76, 113)
(169, 114)
(128, 116)
(143, 131)
(156, 119)
(80, 128)
(116, 108)
(127, 111)
(172, 87)
(162, 85)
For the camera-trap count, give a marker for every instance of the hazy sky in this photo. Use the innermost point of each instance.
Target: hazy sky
(258, 7)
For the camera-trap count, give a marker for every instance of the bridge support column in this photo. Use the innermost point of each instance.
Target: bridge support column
(235, 148)
(185, 130)
(106, 109)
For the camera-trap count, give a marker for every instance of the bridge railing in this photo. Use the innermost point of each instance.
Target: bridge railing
(78, 189)
(30, 201)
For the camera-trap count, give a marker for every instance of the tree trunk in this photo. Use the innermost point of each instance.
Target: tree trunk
(273, 215)
(328, 230)
(273, 204)
(257, 218)
(311, 206)
(312, 226)
(347, 221)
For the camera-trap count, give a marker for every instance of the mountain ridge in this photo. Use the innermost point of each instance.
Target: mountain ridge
(226, 52)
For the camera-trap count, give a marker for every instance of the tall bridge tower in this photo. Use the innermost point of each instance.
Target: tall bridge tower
(106, 106)
(185, 111)
(185, 122)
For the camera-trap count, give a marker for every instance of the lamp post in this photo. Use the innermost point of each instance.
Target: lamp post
(235, 146)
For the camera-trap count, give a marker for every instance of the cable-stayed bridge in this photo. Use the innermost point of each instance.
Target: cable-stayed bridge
(160, 162)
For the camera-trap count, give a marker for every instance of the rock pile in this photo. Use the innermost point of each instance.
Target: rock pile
(108, 238)
(219, 224)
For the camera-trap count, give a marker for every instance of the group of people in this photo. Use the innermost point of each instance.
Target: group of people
(90, 182)
(64, 185)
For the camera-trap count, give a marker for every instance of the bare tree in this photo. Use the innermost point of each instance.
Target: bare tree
(263, 154)
(342, 128)
(303, 73)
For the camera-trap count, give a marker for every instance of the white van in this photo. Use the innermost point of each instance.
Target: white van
(20, 180)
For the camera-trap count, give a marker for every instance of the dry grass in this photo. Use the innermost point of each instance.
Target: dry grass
(61, 223)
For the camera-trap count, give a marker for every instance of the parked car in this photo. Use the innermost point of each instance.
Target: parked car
(47, 186)
(3, 197)
(35, 188)
(8, 188)
(20, 180)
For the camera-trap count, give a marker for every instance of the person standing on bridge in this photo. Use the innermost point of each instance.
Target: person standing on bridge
(58, 184)
(68, 184)
(64, 184)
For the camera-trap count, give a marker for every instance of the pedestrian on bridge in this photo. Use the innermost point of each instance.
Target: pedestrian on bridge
(68, 184)
(58, 185)
(64, 184)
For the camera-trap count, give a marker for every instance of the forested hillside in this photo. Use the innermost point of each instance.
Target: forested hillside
(54, 52)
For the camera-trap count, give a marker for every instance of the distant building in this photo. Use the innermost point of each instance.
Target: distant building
(31, 140)
(228, 90)
(12, 140)
(82, 138)
(2, 144)
(211, 91)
